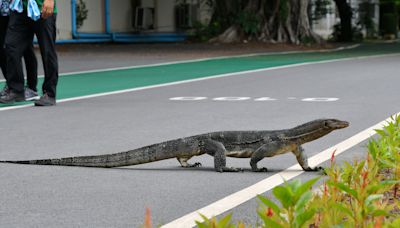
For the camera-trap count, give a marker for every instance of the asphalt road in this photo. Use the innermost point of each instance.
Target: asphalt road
(43, 196)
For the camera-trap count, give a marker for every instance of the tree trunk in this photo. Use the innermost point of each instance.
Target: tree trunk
(280, 21)
(345, 15)
(304, 31)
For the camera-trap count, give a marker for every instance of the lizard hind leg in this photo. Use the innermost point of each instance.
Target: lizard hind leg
(265, 150)
(218, 151)
(185, 164)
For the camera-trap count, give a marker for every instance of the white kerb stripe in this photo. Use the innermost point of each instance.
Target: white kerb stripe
(267, 184)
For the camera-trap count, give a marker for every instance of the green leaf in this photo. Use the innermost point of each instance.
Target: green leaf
(269, 222)
(380, 132)
(381, 185)
(304, 217)
(304, 199)
(371, 198)
(381, 213)
(373, 148)
(205, 223)
(305, 187)
(202, 224)
(340, 207)
(395, 223)
(284, 196)
(224, 222)
(293, 186)
(346, 189)
(275, 208)
(360, 167)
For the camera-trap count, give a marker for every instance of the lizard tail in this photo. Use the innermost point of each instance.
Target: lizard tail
(133, 157)
(104, 161)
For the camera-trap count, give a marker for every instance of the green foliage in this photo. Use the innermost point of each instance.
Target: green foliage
(386, 150)
(388, 21)
(249, 22)
(81, 13)
(366, 11)
(389, 24)
(203, 32)
(283, 10)
(356, 33)
(295, 212)
(225, 222)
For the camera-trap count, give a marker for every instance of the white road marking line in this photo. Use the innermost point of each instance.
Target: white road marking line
(207, 78)
(203, 59)
(269, 183)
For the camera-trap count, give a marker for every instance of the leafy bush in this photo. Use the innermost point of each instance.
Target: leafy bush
(249, 22)
(296, 208)
(389, 24)
(203, 32)
(81, 13)
(356, 33)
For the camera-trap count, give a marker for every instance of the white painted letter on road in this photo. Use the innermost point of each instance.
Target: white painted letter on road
(320, 99)
(265, 99)
(231, 98)
(188, 98)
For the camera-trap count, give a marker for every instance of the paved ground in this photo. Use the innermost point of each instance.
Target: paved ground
(40, 196)
(83, 57)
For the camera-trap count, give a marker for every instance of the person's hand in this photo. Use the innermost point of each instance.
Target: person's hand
(47, 8)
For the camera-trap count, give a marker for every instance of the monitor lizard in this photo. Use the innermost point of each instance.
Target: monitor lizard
(255, 145)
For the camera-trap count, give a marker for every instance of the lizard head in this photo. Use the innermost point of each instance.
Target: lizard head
(335, 124)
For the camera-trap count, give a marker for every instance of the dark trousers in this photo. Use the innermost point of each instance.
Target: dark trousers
(29, 57)
(19, 36)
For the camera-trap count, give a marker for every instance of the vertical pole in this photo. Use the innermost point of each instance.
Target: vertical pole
(107, 15)
(73, 19)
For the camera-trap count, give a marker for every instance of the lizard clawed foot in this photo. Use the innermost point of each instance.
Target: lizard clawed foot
(229, 169)
(263, 169)
(317, 168)
(197, 164)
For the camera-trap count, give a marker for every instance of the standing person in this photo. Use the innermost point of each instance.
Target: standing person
(19, 35)
(29, 56)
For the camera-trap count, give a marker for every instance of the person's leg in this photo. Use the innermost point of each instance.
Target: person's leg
(45, 30)
(31, 66)
(31, 73)
(18, 37)
(3, 57)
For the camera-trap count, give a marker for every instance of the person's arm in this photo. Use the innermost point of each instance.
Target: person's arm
(47, 8)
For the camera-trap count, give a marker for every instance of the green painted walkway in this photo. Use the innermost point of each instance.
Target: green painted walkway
(83, 84)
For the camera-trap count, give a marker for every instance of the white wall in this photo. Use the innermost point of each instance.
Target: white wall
(165, 19)
(64, 20)
(95, 20)
(121, 15)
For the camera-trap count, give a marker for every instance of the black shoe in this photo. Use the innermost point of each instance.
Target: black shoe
(4, 91)
(31, 94)
(45, 100)
(9, 97)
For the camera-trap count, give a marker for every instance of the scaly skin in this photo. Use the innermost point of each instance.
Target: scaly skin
(255, 145)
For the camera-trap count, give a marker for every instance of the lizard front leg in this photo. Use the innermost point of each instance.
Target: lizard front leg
(217, 150)
(185, 164)
(303, 161)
